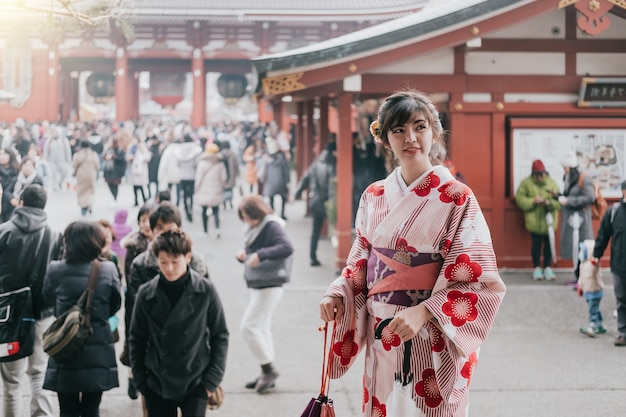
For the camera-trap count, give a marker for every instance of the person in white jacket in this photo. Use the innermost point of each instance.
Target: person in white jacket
(209, 184)
(169, 172)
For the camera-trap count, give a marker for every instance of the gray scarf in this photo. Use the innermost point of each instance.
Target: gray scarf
(251, 233)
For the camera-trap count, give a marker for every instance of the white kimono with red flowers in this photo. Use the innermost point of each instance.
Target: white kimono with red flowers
(434, 221)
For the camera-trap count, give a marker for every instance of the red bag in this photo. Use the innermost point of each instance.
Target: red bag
(322, 406)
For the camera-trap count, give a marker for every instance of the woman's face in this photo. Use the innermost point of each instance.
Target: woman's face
(28, 168)
(32, 153)
(4, 157)
(144, 225)
(411, 143)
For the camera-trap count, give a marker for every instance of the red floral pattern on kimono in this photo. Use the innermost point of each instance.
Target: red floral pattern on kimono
(346, 349)
(378, 409)
(389, 338)
(423, 188)
(461, 307)
(454, 191)
(395, 218)
(468, 368)
(463, 269)
(376, 188)
(427, 387)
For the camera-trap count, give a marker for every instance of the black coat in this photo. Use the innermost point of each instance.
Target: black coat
(22, 249)
(114, 165)
(317, 180)
(94, 368)
(615, 231)
(8, 177)
(174, 351)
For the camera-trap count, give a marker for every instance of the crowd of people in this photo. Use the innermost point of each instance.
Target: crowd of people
(419, 292)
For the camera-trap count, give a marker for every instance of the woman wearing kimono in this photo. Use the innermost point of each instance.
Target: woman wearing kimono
(423, 259)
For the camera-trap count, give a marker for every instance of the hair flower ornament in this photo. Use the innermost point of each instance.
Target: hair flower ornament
(375, 131)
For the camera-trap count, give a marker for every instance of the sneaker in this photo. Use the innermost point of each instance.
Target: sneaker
(549, 274)
(587, 330)
(315, 262)
(620, 341)
(538, 274)
(599, 329)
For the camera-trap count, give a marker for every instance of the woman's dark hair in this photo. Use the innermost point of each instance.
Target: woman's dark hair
(400, 107)
(83, 242)
(105, 224)
(27, 159)
(167, 213)
(145, 209)
(254, 207)
(174, 242)
(14, 163)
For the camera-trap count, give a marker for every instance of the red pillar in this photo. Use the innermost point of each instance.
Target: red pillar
(66, 85)
(52, 113)
(300, 162)
(324, 131)
(134, 95)
(344, 180)
(121, 85)
(198, 109)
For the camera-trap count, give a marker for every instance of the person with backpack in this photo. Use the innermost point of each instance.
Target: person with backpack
(575, 210)
(613, 228)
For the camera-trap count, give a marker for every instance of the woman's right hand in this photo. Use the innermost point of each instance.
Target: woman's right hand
(331, 308)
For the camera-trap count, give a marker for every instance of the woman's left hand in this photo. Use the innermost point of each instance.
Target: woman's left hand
(408, 322)
(253, 260)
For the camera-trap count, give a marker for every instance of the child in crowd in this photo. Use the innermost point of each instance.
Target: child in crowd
(120, 230)
(178, 336)
(590, 286)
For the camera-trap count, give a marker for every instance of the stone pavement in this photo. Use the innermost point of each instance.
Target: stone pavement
(534, 362)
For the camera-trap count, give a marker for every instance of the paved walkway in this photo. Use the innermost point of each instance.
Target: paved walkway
(534, 363)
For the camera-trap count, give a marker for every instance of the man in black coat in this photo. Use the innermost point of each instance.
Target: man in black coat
(613, 227)
(27, 245)
(145, 266)
(317, 179)
(178, 336)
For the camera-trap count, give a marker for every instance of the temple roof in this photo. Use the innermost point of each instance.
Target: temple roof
(249, 10)
(435, 18)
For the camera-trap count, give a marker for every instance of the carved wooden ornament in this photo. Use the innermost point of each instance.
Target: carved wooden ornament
(594, 19)
(283, 84)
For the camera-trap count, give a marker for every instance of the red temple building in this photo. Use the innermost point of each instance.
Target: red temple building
(516, 80)
(41, 57)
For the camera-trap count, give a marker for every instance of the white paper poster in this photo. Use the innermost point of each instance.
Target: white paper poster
(600, 153)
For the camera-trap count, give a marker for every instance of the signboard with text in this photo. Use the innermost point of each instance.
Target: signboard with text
(602, 92)
(600, 152)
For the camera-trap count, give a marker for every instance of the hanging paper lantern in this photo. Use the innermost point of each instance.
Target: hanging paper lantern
(167, 89)
(232, 85)
(101, 84)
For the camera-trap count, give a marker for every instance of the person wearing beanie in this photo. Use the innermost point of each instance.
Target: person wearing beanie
(575, 201)
(613, 228)
(537, 196)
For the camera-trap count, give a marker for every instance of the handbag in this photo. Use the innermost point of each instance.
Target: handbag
(322, 406)
(269, 273)
(70, 331)
(17, 324)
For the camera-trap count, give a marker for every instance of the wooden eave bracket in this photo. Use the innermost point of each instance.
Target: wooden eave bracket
(282, 84)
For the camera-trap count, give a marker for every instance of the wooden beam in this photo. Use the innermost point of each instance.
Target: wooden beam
(338, 71)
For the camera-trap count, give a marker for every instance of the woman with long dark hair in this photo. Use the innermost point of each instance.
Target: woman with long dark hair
(80, 381)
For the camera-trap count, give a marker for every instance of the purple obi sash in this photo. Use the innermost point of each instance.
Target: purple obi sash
(401, 277)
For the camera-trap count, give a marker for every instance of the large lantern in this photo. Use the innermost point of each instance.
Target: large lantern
(232, 85)
(167, 89)
(101, 85)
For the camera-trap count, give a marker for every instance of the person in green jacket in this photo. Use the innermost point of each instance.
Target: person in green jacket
(536, 196)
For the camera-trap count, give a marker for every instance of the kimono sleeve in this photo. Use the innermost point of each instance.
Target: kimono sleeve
(350, 335)
(469, 290)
